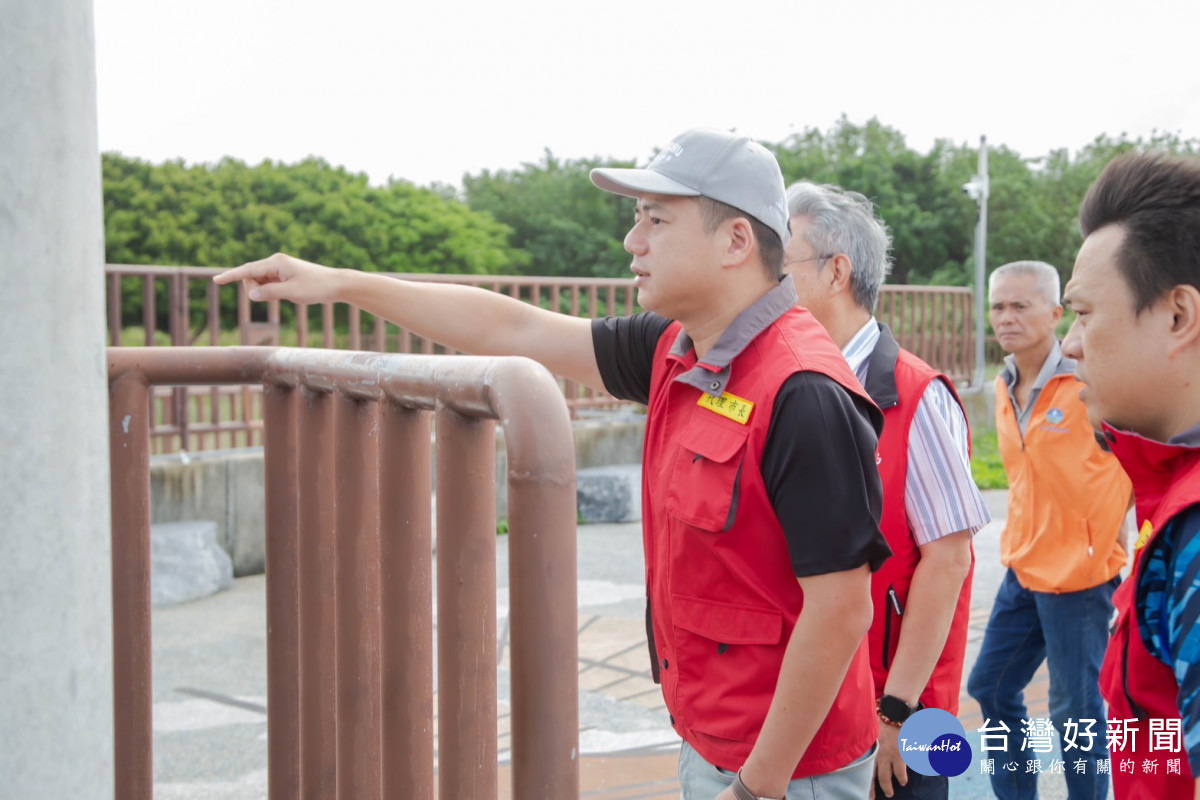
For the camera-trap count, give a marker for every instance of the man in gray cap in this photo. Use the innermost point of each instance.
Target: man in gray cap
(761, 496)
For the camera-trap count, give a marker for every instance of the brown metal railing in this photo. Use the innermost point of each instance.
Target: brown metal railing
(348, 543)
(202, 418)
(935, 322)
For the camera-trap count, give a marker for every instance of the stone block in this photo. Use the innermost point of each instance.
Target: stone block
(245, 512)
(610, 494)
(186, 562)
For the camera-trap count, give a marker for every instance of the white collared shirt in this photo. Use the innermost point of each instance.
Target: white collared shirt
(940, 496)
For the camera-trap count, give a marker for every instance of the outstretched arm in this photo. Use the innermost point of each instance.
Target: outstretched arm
(462, 317)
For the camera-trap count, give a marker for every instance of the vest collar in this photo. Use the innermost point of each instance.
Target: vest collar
(881, 374)
(712, 374)
(1152, 466)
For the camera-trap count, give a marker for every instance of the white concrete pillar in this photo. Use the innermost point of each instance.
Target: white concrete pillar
(55, 564)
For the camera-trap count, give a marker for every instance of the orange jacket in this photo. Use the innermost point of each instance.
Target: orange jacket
(1067, 497)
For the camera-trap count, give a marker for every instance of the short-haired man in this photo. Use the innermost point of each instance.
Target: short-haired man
(1135, 292)
(1062, 541)
(838, 258)
(760, 493)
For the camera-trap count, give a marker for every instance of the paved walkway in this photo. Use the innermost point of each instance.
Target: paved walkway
(210, 683)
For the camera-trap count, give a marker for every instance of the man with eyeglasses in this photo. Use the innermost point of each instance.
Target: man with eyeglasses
(838, 258)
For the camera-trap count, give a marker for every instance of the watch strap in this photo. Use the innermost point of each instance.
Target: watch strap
(741, 792)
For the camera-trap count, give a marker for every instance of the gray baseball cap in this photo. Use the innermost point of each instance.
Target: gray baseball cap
(717, 164)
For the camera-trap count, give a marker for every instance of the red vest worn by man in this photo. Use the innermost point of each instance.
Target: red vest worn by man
(722, 594)
(896, 380)
(1135, 684)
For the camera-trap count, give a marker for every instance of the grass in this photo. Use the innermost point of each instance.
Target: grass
(986, 467)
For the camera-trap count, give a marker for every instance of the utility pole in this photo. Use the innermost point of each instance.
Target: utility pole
(56, 664)
(977, 190)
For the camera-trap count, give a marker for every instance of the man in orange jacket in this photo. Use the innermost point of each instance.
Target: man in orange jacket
(1061, 543)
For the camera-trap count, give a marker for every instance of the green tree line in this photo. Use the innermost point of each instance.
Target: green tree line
(547, 219)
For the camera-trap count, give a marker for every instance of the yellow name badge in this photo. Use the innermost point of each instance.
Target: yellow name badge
(728, 405)
(1144, 535)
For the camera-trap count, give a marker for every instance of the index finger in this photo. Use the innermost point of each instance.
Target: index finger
(252, 270)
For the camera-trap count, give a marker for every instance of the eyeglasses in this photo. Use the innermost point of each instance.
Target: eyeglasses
(810, 258)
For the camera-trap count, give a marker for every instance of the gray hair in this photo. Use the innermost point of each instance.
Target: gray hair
(1046, 275)
(842, 221)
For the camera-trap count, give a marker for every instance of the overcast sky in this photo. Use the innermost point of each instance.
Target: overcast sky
(429, 90)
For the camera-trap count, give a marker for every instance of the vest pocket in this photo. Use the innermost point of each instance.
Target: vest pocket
(723, 653)
(703, 489)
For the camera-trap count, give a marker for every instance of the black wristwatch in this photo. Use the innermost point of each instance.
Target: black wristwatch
(896, 711)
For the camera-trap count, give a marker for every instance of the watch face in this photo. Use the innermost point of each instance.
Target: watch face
(894, 709)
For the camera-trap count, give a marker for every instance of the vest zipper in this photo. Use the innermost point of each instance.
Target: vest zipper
(733, 501)
(893, 606)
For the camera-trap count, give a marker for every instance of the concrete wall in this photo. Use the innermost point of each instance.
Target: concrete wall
(56, 677)
(227, 486)
(981, 408)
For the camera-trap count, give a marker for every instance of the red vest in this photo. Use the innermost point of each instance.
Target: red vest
(723, 595)
(1166, 480)
(890, 584)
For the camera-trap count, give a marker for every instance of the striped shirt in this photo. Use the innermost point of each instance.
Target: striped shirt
(940, 496)
(1168, 608)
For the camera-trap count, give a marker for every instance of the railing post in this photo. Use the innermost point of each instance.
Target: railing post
(114, 310)
(357, 628)
(243, 308)
(379, 332)
(406, 602)
(149, 310)
(328, 328)
(542, 584)
(466, 606)
(129, 456)
(283, 591)
(301, 325)
(179, 395)
(317, 550)
(214, 314)
(355, 328)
